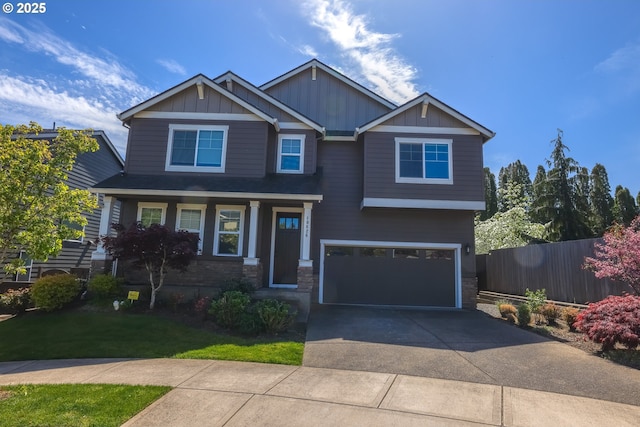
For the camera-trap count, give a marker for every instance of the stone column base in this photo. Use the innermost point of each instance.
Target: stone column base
(469, 292)
(253, 274)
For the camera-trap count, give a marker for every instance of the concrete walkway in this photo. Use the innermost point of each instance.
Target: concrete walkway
(219, 393)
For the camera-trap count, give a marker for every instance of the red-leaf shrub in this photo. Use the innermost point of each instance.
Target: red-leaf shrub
(613, 320)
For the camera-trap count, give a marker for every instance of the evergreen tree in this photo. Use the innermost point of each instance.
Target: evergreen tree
(600, 200)
(490, 195)
(582, 191)
(537, 213)
(624, 207)
(558, 200)
(515, 173)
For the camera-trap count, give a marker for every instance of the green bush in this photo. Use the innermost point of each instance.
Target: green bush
(524, 315)
(104, 285)
(274, 315)
(54, 292)
(15, 301)
(229, 308)
(535, 301)
(240, 285)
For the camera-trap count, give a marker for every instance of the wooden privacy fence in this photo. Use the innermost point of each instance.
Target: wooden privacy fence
(556, 267)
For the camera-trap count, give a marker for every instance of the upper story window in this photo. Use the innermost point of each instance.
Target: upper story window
(193, 148)
(424, 161)
(290, 154)
(151, 213)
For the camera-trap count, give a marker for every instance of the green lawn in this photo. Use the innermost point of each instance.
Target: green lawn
(84, 334)
(74, 404)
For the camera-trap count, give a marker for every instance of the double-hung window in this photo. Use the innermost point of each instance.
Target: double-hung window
(424, 161)
(229, 230)
(194, 148)
(290, 154)
(190, 218)
(151, 213)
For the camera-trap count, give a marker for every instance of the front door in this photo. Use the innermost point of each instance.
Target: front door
(286, 248)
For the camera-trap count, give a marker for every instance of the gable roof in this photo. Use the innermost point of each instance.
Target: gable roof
(197, 80)
(426, 99)
(256, 91)
(315, 63)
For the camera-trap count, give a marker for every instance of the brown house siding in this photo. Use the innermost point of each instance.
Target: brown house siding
(379, 172)
(188, 101)
(339, 215)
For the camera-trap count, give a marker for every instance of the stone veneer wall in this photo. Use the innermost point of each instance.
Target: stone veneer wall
(469, 292)
(213, 273)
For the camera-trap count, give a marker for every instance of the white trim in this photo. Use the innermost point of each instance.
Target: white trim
(334, 73)
(457, 247)
(197, 116)
(282, 136)
(340, 138)
(423, 142)
(152, 205)
(222, 194)
(424, 129)
(274, 212)
(379, 202)
(184, 168)
(254, 207)
(200, 231)
(438, 104)
(251, 261)
(216, 243)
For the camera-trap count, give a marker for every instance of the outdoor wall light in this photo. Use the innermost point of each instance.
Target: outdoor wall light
(467, 249)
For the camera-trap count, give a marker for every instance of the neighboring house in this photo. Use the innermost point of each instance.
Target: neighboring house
(89, 169)
(310, 183)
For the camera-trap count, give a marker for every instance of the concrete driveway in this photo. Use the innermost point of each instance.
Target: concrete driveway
(460, 345)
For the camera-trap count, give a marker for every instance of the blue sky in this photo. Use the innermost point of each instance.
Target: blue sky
(521, 68)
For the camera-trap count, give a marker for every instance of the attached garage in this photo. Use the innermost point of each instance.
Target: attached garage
(390, 274)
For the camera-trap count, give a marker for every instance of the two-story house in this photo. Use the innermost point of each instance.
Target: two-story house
(309, 183)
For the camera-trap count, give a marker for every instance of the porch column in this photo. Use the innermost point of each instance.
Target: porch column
(105, 224)
(252, 269)
(306, 235)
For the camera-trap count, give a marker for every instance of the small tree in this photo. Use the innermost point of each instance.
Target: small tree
(38, 210)
(618, 258)
(155, 248)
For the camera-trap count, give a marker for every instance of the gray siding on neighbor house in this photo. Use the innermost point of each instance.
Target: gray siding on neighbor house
(339, 216)
(246, 146)
(188, 101)
(327, 100)
(380, 164)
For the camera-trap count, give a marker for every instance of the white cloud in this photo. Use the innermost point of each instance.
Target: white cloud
(308, 50)
(622, 59)
(369, 51)
(172, 66)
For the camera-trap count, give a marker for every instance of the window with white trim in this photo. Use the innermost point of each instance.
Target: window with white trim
(424, 161)
(290, 153)
(190, 218)
(151, 213)
(196, 148)
(229, 230)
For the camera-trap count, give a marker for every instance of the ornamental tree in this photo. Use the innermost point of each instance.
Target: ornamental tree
(38, 210)
(155, 248)
(618, 258)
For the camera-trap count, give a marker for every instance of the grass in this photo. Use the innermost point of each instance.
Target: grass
(74, 404)
(84, 334)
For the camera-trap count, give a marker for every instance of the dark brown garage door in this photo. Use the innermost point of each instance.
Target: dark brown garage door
(389, 276)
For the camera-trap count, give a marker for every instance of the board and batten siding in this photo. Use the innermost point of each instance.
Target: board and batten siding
(380, 169)
(245, 156)
(339, 216)
(327, 100)
(435, 117)
(187, 101)
(261, 103)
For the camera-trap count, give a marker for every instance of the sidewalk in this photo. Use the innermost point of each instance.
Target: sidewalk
(208, 392)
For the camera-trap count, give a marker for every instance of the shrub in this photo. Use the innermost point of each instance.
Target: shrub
(54, 292)
(615, 319)
(507, 309)
(570, 315)
(201, 305)
(535, 301)
(15, 301)
(274, 315)
(240, 285)
(228, 309)
(551, 313)
(524, 315)
(104, 285)
(175, 299)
